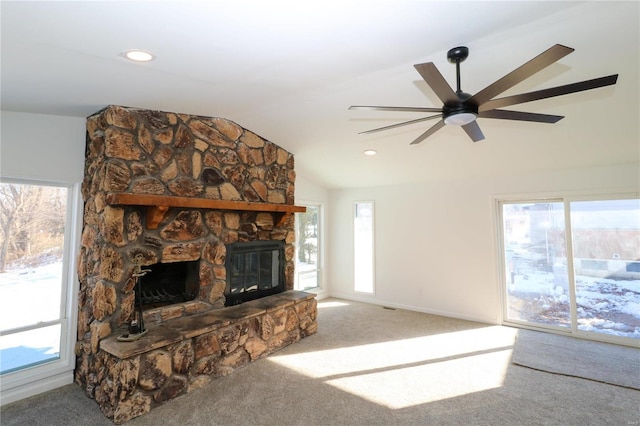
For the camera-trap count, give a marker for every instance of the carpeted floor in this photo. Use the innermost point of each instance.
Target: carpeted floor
(369, 365)
(602, 362)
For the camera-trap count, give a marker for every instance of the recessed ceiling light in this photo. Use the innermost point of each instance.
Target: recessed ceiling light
(138, 55)
(370, 152)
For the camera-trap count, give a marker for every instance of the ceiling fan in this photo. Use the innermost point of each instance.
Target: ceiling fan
(462, 109)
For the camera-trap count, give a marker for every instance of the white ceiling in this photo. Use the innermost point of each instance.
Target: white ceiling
(289, 70)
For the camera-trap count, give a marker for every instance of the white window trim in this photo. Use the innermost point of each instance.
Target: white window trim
(566, 197)
(321, 289)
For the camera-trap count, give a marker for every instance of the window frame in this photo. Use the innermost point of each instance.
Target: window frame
(320, 243)
(48, 375)
(566, 198)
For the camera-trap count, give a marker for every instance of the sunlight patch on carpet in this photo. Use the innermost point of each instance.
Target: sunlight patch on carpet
(406, 372)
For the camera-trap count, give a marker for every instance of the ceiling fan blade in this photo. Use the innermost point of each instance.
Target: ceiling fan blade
(405, 123)
(520, 116)
(549, 93)
(473, 130)
(391, 108)
(438, 84)
(526, 70)
(439, 125)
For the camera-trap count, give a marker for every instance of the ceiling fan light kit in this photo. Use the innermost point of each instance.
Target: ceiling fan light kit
(462, 109)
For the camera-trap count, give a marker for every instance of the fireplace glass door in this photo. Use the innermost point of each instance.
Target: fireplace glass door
(254, 269)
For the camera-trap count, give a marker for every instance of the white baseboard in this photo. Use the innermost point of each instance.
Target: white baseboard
(375, 301)
(7, 396)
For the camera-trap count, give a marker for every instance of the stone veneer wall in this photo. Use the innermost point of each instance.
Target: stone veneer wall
(138, 151)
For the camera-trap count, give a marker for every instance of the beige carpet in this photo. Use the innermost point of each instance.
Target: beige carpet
(602, 362)
(371, 366)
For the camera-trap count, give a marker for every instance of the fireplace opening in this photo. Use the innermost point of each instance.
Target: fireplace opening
(169, 283)
(255, 269)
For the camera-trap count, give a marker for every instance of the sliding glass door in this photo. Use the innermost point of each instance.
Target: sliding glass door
(573, 266)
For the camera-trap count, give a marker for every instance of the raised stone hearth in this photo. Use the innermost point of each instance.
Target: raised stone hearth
(162, 188)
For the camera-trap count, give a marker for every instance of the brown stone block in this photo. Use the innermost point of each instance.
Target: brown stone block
(135, 406)
(213, 220)
(211, 160)
(174, 387)
(256, 157)
(99, 330)
(255, 347)
(270, 152)
(209, 134)
(220, 272)
(228, 338)
(121, 144)
(198, 382)
(169, 172)
(183, 159)
(236, 175)
(162, 156)
(231, 220)
(171, 312)
(244, 153)
(282, 156)
(182, 356)
(121, 117)
(181, 252)
(104, 300)
(127, 301)
(292, 320)
(117, 176)
(111, 265)
(201, 145)
(148, 185)
(196, 164)
(185, 187)
(252, 140)
(229, 192)
(155, 119)
(264, 221)
(183, 138)
(207, 345)
(289, 252)
(155, 369)
(228, 128)
(205, 365)
(235, 359)
(217, 291)
(164, 136)
(133, 226)
(186, 226)
(267, 325)
(249, 194)
(145, 141)
(229, 237)
(215, 252)
(112, 226)
(227, 156)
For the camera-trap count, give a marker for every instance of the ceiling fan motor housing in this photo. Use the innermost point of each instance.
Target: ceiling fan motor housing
(460, 113)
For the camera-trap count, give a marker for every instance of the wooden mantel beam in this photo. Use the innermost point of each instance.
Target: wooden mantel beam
(158, 205)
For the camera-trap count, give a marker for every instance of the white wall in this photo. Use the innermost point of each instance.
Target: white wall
(436, 242)
(46, 148)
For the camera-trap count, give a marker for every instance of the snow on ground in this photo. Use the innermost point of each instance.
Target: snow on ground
(29, 296)
(603, 305)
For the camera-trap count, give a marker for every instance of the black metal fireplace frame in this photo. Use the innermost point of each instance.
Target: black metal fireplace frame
(235, 297)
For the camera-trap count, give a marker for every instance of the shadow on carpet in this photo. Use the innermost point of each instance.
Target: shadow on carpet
(569, 356)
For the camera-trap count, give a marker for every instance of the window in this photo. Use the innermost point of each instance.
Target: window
(35, 231)
(567, 266)
(308, 248)
(363, 244)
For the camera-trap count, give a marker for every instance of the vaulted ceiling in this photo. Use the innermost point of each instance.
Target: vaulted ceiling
(289, 71)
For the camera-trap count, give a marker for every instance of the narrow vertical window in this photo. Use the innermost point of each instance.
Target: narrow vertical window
(308, 248)
(363, 243)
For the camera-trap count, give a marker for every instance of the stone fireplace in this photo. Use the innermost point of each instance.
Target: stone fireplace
(173, 195)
